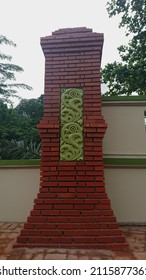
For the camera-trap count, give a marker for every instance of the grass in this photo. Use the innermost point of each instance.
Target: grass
(107, 161)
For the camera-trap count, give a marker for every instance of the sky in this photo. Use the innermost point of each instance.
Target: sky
(25, 21)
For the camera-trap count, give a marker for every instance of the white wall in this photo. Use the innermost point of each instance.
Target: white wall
(125, 187)
(18, 188)
(126, 130)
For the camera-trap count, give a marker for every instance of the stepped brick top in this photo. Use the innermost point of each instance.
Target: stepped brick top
(72, 40)
(72, 32)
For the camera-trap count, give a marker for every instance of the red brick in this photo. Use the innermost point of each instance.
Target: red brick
(63, 207)
(67, 226)
(105, 219)
(43, 190)
(49, 233)
(36, 240)
(84, 240)
(59, 240)
(29, 226)
(89, 225)
(21, 239)
(91, 213)
(49, 212)
(54, 201)
(104, 239)
(84, 206)
(67, 184)
(50, 173)
(67, 173)
(79, 219)
(64, 168)
(92, 232)
(72, 209)
(29, 232)
(118, 247)
(82, 195)
(35, 213)
(48, 195)
(111, 232)
(85, 178)
(43, 207)
(74, 232)
(67, 178)
(100, 190)
(113, 226)
(87, 190)
(72, 190)
(69, 212)
(57, 190)
(36, 219)
(91, 201)
(55, 219)
(38, 201)
(65, 195)
(107, 212)
(45, 226)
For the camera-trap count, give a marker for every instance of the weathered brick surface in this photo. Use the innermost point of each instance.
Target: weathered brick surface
(72, 208)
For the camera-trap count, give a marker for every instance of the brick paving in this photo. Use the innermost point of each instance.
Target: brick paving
(135, 236)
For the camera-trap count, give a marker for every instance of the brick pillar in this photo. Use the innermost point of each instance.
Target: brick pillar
(72, 209)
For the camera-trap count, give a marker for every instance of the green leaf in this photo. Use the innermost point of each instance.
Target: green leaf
(8, 88)
(129, 76)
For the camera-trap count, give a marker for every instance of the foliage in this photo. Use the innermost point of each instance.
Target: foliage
(31, 109)
(8, 86)
(128, 76)
(19, 137)
(23, 149)
(20, 122)
(133, 14)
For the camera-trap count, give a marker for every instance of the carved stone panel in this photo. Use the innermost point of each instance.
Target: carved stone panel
(71, 136)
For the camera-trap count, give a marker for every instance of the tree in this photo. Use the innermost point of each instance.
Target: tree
(8, 86)
(19, 136)
(31, 108)
(29, 112)
(129, 75)
(24, 149)
(20, 123)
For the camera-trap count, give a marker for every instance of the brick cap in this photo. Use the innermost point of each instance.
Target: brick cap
(66, 33)
(71, 30)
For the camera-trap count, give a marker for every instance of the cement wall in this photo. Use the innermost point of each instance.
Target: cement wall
(126, 133)
(125, 187)
(18, 188)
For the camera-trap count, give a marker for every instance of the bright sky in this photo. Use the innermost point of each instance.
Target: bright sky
(25, 21)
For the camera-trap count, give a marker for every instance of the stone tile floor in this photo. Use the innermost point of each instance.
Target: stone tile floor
(135, 235)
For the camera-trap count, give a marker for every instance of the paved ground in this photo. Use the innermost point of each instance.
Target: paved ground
(135, 235)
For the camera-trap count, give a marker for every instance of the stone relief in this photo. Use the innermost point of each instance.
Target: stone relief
(71, 140)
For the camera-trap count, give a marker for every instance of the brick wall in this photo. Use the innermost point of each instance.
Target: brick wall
(72, 209)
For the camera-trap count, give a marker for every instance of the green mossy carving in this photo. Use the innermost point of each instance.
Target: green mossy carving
(71, 140)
